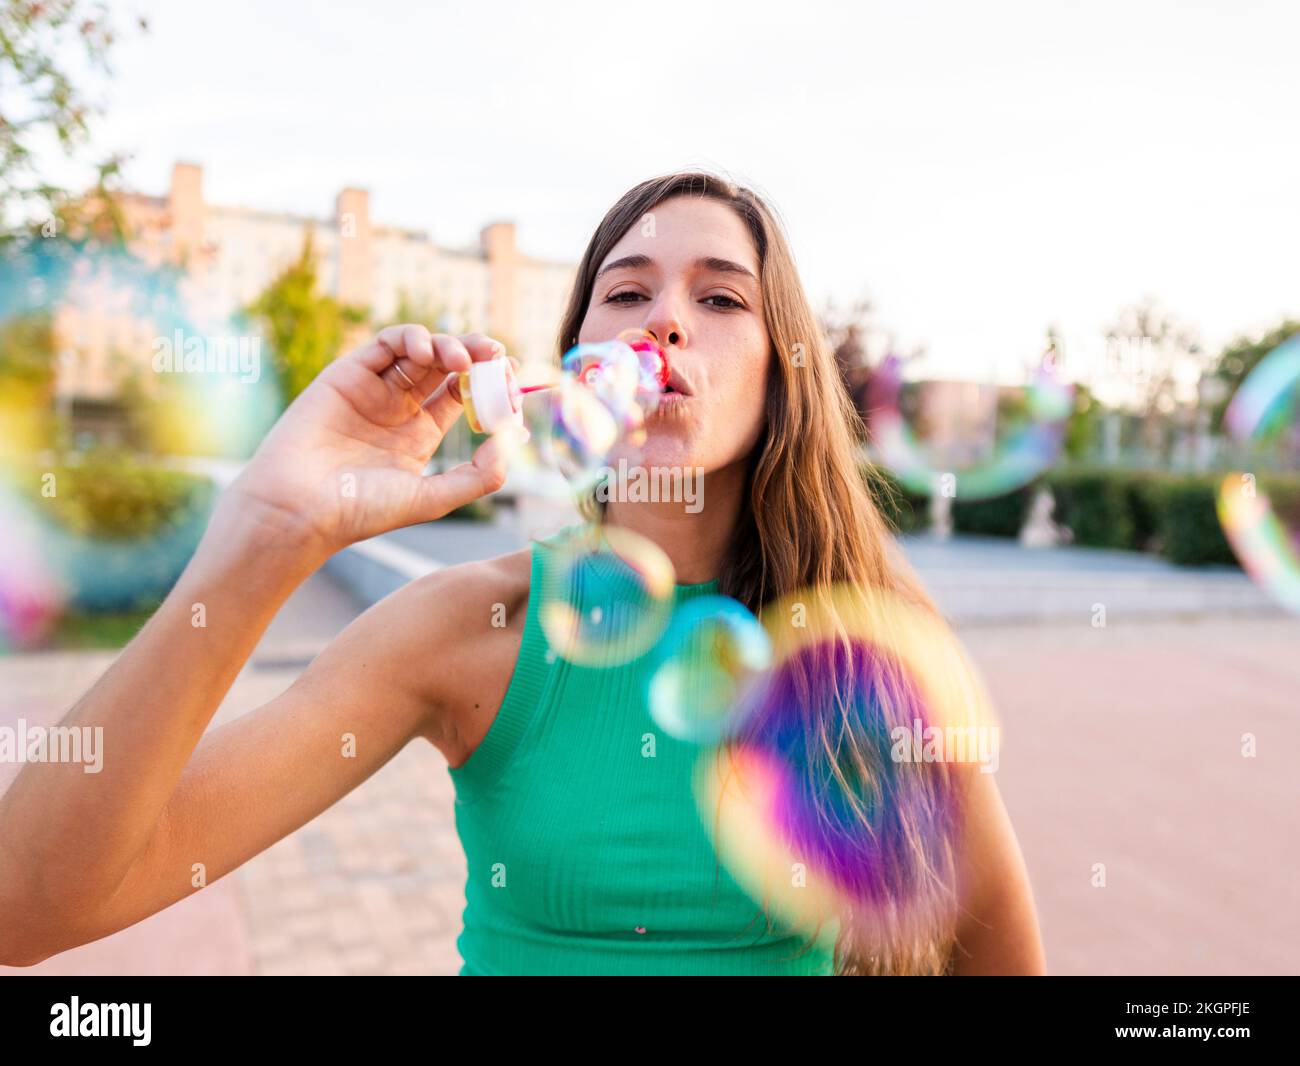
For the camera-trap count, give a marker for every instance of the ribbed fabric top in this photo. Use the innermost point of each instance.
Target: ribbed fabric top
(585, 848)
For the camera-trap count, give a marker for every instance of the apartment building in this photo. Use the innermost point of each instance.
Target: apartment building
(230, 253)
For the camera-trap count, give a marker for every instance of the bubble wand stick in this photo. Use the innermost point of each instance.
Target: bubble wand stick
(491, 395)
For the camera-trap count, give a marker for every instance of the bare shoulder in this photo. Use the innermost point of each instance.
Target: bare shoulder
(468, 596)
(463, 627)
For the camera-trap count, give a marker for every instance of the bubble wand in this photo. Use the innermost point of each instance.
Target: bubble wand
(492, 396)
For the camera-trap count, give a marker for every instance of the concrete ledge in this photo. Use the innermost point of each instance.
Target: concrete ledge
(374, 568)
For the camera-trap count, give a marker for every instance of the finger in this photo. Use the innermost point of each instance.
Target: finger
(400, 377)
(482, 347)
(483, 474)
(411, 341)
(412, 351)
(391, 344)
(444, 403)
(451, 353)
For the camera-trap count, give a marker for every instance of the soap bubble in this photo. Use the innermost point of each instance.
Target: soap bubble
(584, 430)
(1018, 457)
(842, 768)
(601, 401)
(606, 595)
(652, 361)
(1262, 526)
(200, 377)
(30, 595)
(125, 391)
(712, 654)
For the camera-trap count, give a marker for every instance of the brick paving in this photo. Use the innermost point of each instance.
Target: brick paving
(1121, 746)
(374, 885)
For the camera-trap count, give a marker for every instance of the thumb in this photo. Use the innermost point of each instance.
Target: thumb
(485, 473)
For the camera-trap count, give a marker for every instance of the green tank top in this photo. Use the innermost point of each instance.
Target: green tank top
(584, 855)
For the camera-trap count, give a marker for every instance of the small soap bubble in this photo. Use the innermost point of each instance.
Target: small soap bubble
(606, 595)
(713, 652)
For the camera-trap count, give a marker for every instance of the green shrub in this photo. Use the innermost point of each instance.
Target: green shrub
(1284, 494)
(1189, 530)
(82, 630)
(1001, 516)
(483, 509)
(1097, 506)
(1142, 490)
(109, 495)
(115, 532)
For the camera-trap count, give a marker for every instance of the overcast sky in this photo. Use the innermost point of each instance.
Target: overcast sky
(981, 170)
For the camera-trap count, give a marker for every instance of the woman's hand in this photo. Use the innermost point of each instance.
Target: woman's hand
(345, 461)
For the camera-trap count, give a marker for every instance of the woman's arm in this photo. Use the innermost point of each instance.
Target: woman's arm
(998, 932)
(255, 780)
(84, 854)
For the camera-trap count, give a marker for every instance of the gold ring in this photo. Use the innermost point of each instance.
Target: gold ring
(402, 374)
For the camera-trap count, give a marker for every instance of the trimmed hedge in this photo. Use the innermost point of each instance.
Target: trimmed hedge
(1174, 515)
(1189, 530)
(1096, 505)
(1001, 516)
(1142, 490)
(483, 509)
(1284, 494)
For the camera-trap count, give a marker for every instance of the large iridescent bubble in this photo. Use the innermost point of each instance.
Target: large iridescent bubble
(1262, 418)
(125, 391)
(1019, 456)
(31, 594)
(838, 802)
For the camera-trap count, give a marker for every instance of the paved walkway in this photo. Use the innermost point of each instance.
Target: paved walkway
(374, 885)
(1121, 746)
(976, 580)
(988, 580)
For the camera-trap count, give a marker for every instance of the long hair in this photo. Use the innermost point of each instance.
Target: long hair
(810, 523)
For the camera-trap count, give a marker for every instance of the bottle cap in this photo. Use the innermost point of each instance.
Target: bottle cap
(491, 395)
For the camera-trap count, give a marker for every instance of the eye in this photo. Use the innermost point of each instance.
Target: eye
(728, 303)
(622, 297)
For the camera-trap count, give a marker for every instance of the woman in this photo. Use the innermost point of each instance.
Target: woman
(584, 854)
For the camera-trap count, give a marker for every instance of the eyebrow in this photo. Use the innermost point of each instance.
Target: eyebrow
(708, 262)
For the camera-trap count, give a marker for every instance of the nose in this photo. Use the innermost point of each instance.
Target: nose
(665, 329)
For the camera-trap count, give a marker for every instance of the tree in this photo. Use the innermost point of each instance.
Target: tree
(1157, 353)
(304, 328)
(848, 331)
(40, 42)
(1083, 423)
(27, 352)
(1083, 426)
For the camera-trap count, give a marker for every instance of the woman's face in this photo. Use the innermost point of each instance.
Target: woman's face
(688, 271)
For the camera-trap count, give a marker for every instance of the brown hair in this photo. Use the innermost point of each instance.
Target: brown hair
(810, 522)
